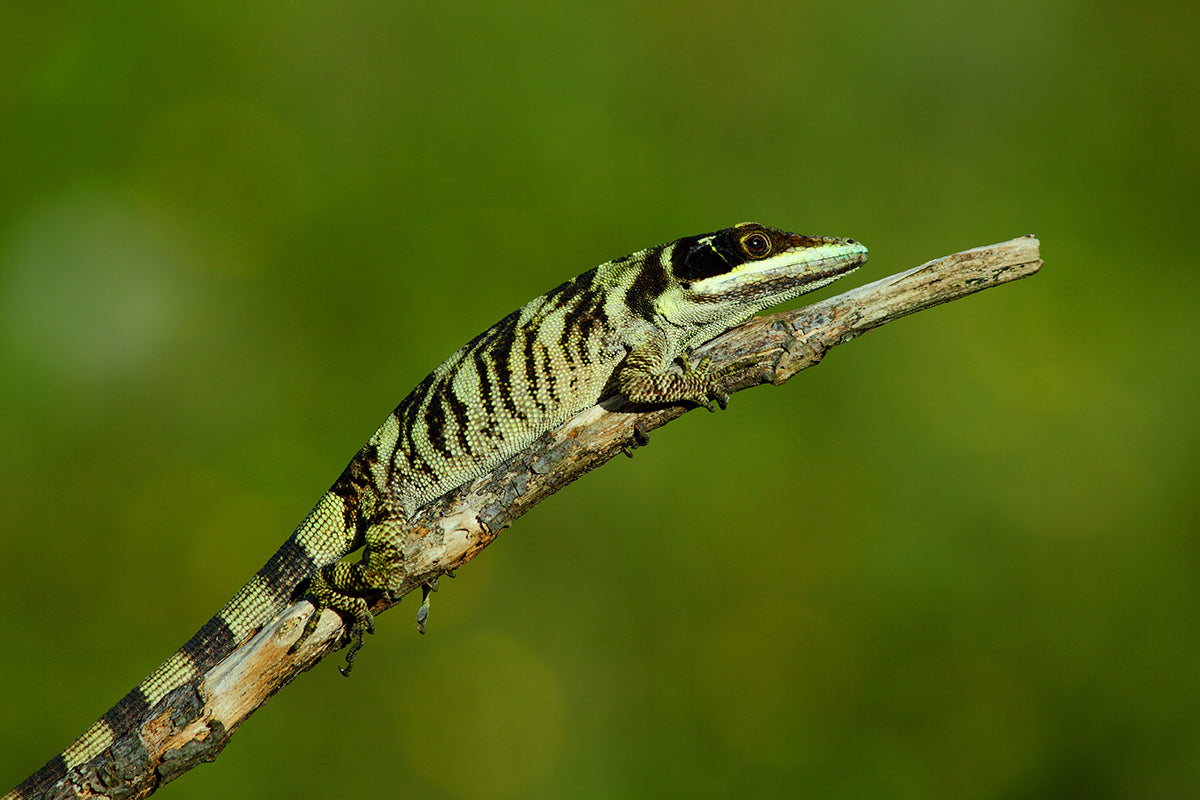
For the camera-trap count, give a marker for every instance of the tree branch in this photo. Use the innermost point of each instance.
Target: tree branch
(189, 727)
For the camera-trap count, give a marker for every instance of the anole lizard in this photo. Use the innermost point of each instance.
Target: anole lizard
(618, 328)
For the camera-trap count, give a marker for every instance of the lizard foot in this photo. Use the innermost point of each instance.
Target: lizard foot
(355, 612)
(704, 379)
(347, 588)
(427, 590)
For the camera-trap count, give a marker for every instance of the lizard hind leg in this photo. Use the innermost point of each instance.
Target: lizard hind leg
(349, 587)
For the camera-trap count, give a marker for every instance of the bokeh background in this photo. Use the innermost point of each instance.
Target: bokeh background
(960, 559)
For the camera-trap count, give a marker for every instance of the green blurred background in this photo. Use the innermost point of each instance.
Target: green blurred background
(234, 235)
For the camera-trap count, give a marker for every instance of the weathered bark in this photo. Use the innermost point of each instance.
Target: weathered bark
(188, 728)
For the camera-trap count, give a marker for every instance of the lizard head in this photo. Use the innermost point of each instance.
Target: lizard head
(720, 279)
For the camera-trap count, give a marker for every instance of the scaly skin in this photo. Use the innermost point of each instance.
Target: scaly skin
(618, 328)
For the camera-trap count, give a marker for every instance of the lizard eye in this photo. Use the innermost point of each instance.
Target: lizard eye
(756, 245)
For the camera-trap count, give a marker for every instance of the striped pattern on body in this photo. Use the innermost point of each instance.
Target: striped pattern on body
(618, 327)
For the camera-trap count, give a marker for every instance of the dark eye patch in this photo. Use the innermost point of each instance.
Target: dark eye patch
(695, 260)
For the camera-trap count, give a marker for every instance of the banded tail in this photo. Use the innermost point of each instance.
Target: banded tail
(620, 327)
(326, 534)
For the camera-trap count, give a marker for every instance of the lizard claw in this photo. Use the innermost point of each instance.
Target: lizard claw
(640, 439)
(704, 375)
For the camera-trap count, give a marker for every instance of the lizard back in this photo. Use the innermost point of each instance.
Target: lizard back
(616, 328)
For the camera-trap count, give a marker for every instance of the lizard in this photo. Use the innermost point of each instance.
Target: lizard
(619, 328)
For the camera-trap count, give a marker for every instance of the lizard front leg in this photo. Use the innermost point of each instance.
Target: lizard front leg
(643, 378)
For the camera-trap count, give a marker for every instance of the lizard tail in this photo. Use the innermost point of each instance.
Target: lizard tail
(325, 535)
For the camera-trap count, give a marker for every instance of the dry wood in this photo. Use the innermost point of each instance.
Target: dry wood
(187, 727)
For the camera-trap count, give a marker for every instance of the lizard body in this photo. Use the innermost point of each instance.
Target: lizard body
(617, 328)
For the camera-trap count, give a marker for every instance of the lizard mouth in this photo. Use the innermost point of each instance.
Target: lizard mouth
(832, 266)
(786, 278)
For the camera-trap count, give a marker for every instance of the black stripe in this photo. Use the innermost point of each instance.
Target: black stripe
(579, 315)
(412, 404)
(128, 711)
(558, 296)
(584, 282)
(485, 393)
(404, 444)
(417, 465)
(504, 387)
(461, 420)
(209, 645)
(531, 368)
(357, 477)
(37, 783)
(727, 244)
(577, 322)
(290, 564)
(551, 378)
(405, 414)
(407, 410)
(404, 441)
(499, 357)
(650, 282)
(564, 344)
(602, 317)
(421, 467)
(435, 423)
(397, 451)
(567, 292)
(597, 320)
(475, 343)
(580, 321)
(490, 350)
